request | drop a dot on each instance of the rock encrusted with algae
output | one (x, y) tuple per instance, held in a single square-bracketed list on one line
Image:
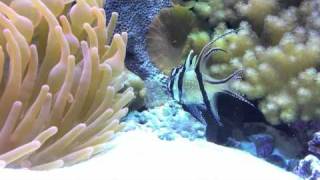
[(314, 144), (168, 121), (309, 168)]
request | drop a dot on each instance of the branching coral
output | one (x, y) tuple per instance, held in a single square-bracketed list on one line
[(257, 10), (277, 46), (59, 82), (280, 66), (212, 12)]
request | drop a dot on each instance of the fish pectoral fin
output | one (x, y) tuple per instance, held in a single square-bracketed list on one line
[(197, 111), (191, 61), (214, 110)]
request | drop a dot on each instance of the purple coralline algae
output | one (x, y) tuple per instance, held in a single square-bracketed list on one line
[(309, 168), (314, 144), (264, 144)]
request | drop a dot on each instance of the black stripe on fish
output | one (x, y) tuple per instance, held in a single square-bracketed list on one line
[(171, 80), (178, 75), (175, 83), (205, 97), (180, 81)]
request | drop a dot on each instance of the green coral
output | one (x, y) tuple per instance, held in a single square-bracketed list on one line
[(277, 46), (137, 84), (196, 40), (280, 60), (257, 10), (212, 12), (276, 75)]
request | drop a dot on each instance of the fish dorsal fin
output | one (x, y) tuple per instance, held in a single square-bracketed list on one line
[(235, 76), (191, 61), (227, 82), (207, 46), (207, 50), (187, 62), (201, 65)]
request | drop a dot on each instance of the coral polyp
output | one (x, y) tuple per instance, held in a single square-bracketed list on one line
[(61, 72)]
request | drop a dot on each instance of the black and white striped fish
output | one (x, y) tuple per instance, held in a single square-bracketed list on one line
[(196, 92)]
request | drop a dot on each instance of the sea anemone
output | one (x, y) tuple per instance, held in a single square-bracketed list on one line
[(61, 83)]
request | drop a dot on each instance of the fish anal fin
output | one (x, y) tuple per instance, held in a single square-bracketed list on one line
[(197, 111), (238, 96), (236, 76)]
